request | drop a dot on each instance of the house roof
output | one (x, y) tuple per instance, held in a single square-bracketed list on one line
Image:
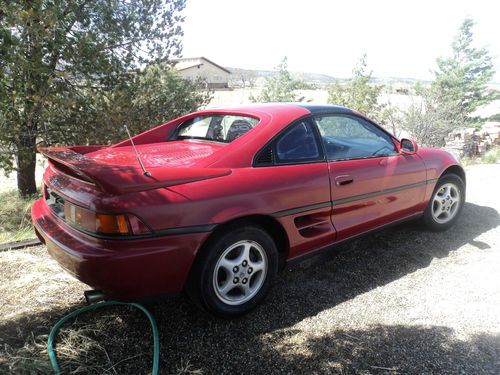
[(200, 58)]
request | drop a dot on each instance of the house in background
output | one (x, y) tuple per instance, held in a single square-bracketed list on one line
[(192, 68)]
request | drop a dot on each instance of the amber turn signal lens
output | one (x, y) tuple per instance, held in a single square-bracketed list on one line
[(112, 224)]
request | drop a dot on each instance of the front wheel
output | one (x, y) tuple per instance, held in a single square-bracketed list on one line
[(446, 203), (234, 271)]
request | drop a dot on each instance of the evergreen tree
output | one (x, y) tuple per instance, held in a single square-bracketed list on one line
[(358, 93), (461, 79), (280, 87)]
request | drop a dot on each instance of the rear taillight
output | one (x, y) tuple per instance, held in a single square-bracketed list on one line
[(103, 223)]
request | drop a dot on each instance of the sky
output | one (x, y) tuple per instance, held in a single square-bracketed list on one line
[(401, 38)]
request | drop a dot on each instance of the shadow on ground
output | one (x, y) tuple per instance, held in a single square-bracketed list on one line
[(386, 349), (263, 342)]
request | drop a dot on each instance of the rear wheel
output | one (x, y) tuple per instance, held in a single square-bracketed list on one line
[(234, 271), (446, 203)]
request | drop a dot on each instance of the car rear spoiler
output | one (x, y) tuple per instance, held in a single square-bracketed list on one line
[(119, 179)]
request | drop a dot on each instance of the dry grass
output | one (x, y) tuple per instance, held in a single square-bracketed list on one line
[(30, 288), (15, 217), (186, 368), (35, 293)]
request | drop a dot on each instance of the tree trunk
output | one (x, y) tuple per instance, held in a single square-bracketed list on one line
[(26, 163), (33, 83)]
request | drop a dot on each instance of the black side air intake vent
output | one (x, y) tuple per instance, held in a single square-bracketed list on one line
[(265, 157)]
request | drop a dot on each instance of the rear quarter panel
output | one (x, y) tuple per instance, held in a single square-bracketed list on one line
[(262, 191)]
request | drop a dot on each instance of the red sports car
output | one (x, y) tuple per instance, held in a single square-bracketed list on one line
[(215, 202)]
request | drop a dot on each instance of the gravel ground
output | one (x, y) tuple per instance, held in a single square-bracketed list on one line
[(403, 301)]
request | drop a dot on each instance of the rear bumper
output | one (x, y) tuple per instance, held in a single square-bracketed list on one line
[(121, 268)]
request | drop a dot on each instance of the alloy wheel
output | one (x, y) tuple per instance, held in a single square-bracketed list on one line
[(445, 203), (240, 272)]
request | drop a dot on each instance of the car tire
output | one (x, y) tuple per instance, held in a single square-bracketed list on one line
[(446, 203), (234, 271)]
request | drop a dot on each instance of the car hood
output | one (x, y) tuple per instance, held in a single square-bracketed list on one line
[(165, 154)]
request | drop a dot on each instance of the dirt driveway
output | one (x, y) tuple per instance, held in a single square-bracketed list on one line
[(402, 301)]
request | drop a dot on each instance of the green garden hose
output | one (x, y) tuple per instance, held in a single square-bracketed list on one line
[(50, 343)]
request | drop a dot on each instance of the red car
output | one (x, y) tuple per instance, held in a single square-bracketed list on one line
[(215, 202)]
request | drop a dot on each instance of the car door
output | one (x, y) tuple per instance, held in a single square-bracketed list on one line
[(371, 183), (302, 185)]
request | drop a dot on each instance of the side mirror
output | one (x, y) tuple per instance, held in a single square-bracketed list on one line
[(408, 147)]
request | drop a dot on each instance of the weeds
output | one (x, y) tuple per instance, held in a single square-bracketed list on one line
[(467, 161), (492, 156)]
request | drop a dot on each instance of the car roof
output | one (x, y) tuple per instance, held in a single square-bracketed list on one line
[(277, 108), (318, 108)]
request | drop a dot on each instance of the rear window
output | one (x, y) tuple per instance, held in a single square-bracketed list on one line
[(220, 128)]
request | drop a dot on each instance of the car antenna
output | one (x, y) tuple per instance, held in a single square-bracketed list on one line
[(144, 171)]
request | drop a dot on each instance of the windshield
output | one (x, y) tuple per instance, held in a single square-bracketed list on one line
[(220, 128)]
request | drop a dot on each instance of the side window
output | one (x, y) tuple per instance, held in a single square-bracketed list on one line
[(350, 137), (298, 144)]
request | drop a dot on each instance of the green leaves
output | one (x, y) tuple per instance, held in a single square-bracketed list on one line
[(358, 93), (430, 117), (280, 87), (142, 99)]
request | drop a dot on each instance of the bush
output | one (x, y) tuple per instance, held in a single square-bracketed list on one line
[(492, 156)]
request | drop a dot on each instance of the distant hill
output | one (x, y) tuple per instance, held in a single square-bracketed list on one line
[(257, 78)]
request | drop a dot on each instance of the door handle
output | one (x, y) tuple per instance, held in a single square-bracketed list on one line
[(343, 180)]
